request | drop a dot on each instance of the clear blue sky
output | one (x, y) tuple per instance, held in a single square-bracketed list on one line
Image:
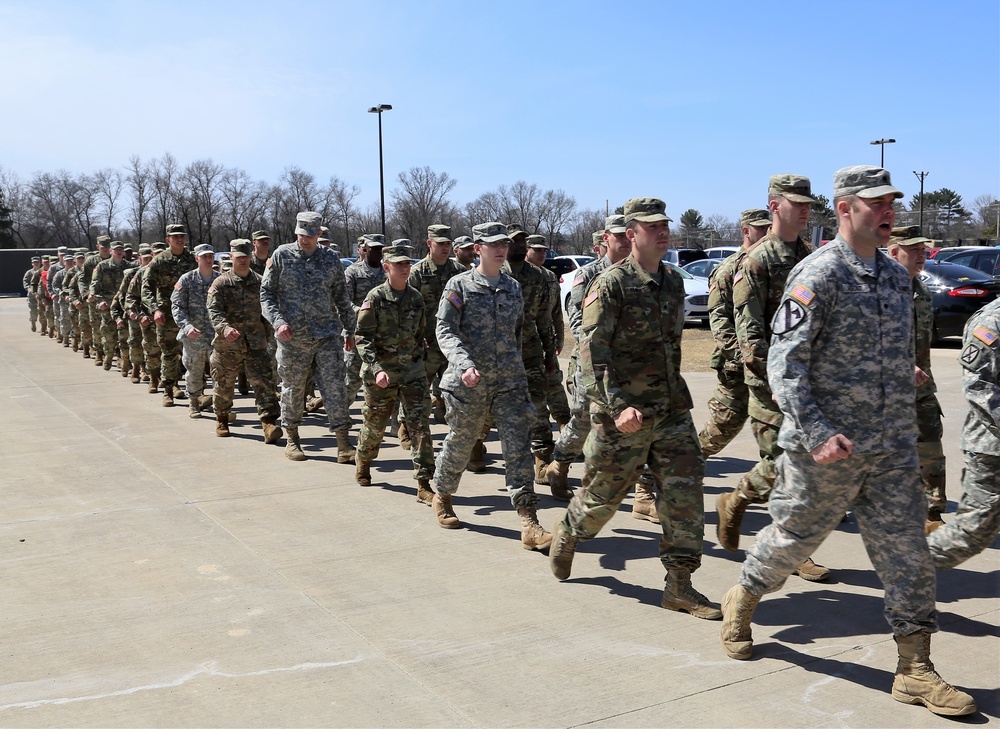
[(696, 103)]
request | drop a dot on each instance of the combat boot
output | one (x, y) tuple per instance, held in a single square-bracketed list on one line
[(730, 506), (363, 473), (679, 594), (533, 536), (194, 408), (557, 475), (124, 364), (737, 611), (561, 550), (76, 342), (425, 495), (135, 374), (541, 464), (313, 404), (98, 359), (241, 383), (179, 392), (205, 402), (811, 571), (934, 521), (345, 453), (222, 426), (438, 409), (34, 327), (644, 504), (477, 461), (168, 394), (154, 383), (86, 351), (916, 681), (444, 512), (404, 437), (293, 448), (272, 431)]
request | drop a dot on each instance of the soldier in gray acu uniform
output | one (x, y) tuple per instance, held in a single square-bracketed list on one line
[(189, 307), (977, 521), (841, 368), (304, 297), (361, 277), (479, 324), (36, 265)]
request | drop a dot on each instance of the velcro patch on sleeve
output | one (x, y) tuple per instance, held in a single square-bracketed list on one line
[(578, 280), (970, 354), (737, 277), (366, 305), (789, 316), (591, 298), (984, 335), (455, 300), (801, 294), (177, 286)]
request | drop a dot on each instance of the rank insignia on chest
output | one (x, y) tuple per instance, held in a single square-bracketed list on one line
[(591, 298), (455, 300), (366, 305), (802, 294), (985, 336)]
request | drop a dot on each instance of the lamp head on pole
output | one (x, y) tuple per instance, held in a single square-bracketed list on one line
[(380, 108)]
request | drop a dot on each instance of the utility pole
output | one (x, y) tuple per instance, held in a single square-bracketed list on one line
[(882, 143), (921, 176)]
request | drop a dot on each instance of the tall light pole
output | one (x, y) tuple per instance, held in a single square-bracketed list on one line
[(882, 143), (381, 167), (921, 176)]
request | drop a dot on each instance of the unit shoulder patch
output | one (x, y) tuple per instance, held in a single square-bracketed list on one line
[(789, 316)]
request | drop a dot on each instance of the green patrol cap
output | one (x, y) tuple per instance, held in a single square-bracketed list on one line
[(757, 217), (907, 235), (537, 241), (117, 245), (374, 240), (794, 187), (259, 235), (78, 254), (159, 246), (514, 230), (240, 247), (439, 233), (598, 237), (646, 210), (398, 252), (614, 224), (103, 241), (176, 229), (864, 181), (490, 232)]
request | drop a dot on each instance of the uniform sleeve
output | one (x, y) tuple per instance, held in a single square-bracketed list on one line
[(751, 284), (558, 323), (981, 373), (574, 311), (216, 303), (148, 290), (269, 292), (342, 302), (365, 332), (180, 302), (545, 330), (449, 325), (601, 309), (719, 318)]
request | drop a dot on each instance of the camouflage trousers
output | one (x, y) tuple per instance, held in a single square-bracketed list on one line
[(757, 484), (134, 343), (435, 363), (415, 407), (302, 357), (195, 354), (727, 411), (569, 446), (977, 522), (226, 364), (65, 319), (466, 413), (541, 429), (48, 313), (86, 330), (74, 317), (668, 446), (125, 358), (95, 327), (170, 351), (555, 396), (32, 308), (109, 334), (352, 377), (809, 501), (150, 349), (933, 466)]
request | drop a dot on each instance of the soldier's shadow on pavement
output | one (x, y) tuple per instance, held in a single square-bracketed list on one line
[(816, 614), (722, 466), (959, 584), (640, 593)]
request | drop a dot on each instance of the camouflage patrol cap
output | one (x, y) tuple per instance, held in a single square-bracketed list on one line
[(79, 254), (323, 239), (907, 235), (145, 250), (463, 241), (398, 252), (307, 223), (36, 259), (864, 181), (757, 217), (104, 241), (226, 265), (159, 246), (793, 187), (538, 242), (202, 248), (615, 224), (598, 237), (374, 240), (439, 233), (45, 259), (646, 210), (259, 235), (117, 245), (514, 230), (62, 250), (490, 233), (82, 250), (176, 229), (239, 247)]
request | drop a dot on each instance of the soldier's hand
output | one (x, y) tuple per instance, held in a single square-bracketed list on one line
[(349, 343), (78, 305), (919, 376), (194, 333), (471, 377), (837, 448), (629, 420), (382, 379), (158, 317), (231, 334), (103, 306), (284, 333), (133, 316), (120, 323), (144, 321)]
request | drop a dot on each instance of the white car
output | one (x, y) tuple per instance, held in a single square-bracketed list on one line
[(695, 297), (721, 252), (565, 267)]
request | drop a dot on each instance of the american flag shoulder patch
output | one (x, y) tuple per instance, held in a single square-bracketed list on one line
[(455, 300), (984, 335), (578, 280), (366, 305), (737, 277), (177, 286), (801, 294), (591, 297)]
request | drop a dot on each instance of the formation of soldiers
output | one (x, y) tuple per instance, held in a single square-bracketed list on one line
[(826, 352)]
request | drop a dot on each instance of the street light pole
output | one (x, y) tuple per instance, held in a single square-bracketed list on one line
[(882, 143), (381, 167), (921, 176)]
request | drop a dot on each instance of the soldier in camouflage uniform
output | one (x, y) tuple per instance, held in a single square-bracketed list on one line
[(36, 265), (70, 295), (465, 251), (39, 287), (61, 299), (189, 308), (909, 249), (157, 285), (977, 521), (104, 284), (129, 318), (630, 357), (93, 313), (261, 241), (727, 409), (301, 295), (53, 292), (361, 277), (841, 368), (555, 394), (134, 304), (479, 330), (240, 341), (757, 291), (390, 343)]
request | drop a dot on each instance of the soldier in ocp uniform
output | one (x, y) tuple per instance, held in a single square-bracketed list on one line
[(134, 304), (130, 316), (104, 284), (465, 251), (93, 314), (36, 264), (841, 366), (71, 296), (361, 277)]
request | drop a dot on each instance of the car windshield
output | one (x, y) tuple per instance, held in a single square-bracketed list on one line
[(681, 271)]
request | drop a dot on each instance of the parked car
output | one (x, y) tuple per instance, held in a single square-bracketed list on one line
[(721, 252), (565, 267), (980, 258), (703, 268), (957, 292), (695, 297), (682, 256)]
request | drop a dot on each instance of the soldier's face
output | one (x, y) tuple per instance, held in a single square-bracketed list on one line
[(104, 252), (753, 233), (241, 265), (308, 243), (871, 219), (492, 255), (466, 256), (911, 257), (439, 251), (618, 245), (397, 273), (649, 237), (373, 256), (518, 248), (176, 242), (536, 256), (117, 254), (793, 215), (262, 247)]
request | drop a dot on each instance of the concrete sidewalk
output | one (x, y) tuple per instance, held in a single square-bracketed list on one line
[(155, 575)]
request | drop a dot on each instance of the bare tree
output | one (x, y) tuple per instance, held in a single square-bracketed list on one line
[(422, 200), (244, 203), (722, 230), (140, 186), (108, 184), (164, 171), (202, 199), (15, 195), (339, 205)]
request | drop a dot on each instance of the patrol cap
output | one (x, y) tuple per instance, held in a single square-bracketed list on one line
[(398, 252), (514, 230), (84, 251), (537, 241), (490, 232), (439, 233), (202, 248), (757, 217), (463, 241), (226, 265), (259, 235), (159, 246), (240, 247), (36, 259), (598, 237), (117, 245), (176, 229), (322, 239), (646, 210), (104, 241), (45, 259), (308, 223), (145, 250), (374, 240), (907, 235), (793, 187), (78, 254), (615, 224), (62, 250), (864, 181)]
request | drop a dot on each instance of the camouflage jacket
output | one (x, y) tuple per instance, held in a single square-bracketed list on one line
[(258, 265), (555, 310), (54, 270), (161, 275), (429, 279), (235, 302), (757, 290), (69, 284), (390, 334), (26, 279), (841, 360), (306, 292), (56, 283), (189, 303), (133, 296), (106, 280), (980, 360), (360, 278), (537, 342), (721, 317), (90, 264), (630, 348), (36, 279), (923, 334), (118, 302), (581, 283), (480, 326)]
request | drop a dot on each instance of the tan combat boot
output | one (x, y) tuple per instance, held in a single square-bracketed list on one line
[(124, 365), (222, 426), (345, 453), (644, 505), (444, 512), (194, 408), (76, 342), (811, 571), (533, 536), (561, 550), (205, 402), (679, 594), (934, 521), (557, 475), (136, 378), (438, 409), (86, 351), (916, 681), (425, 495), (98, 359), (737, 612), (272, 432), (154, 383), (168, 395), (66, 341), (404, 437), (293, 448), (363, 473), (730, 507), (477, 461), (541, 465), (313, 404)]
